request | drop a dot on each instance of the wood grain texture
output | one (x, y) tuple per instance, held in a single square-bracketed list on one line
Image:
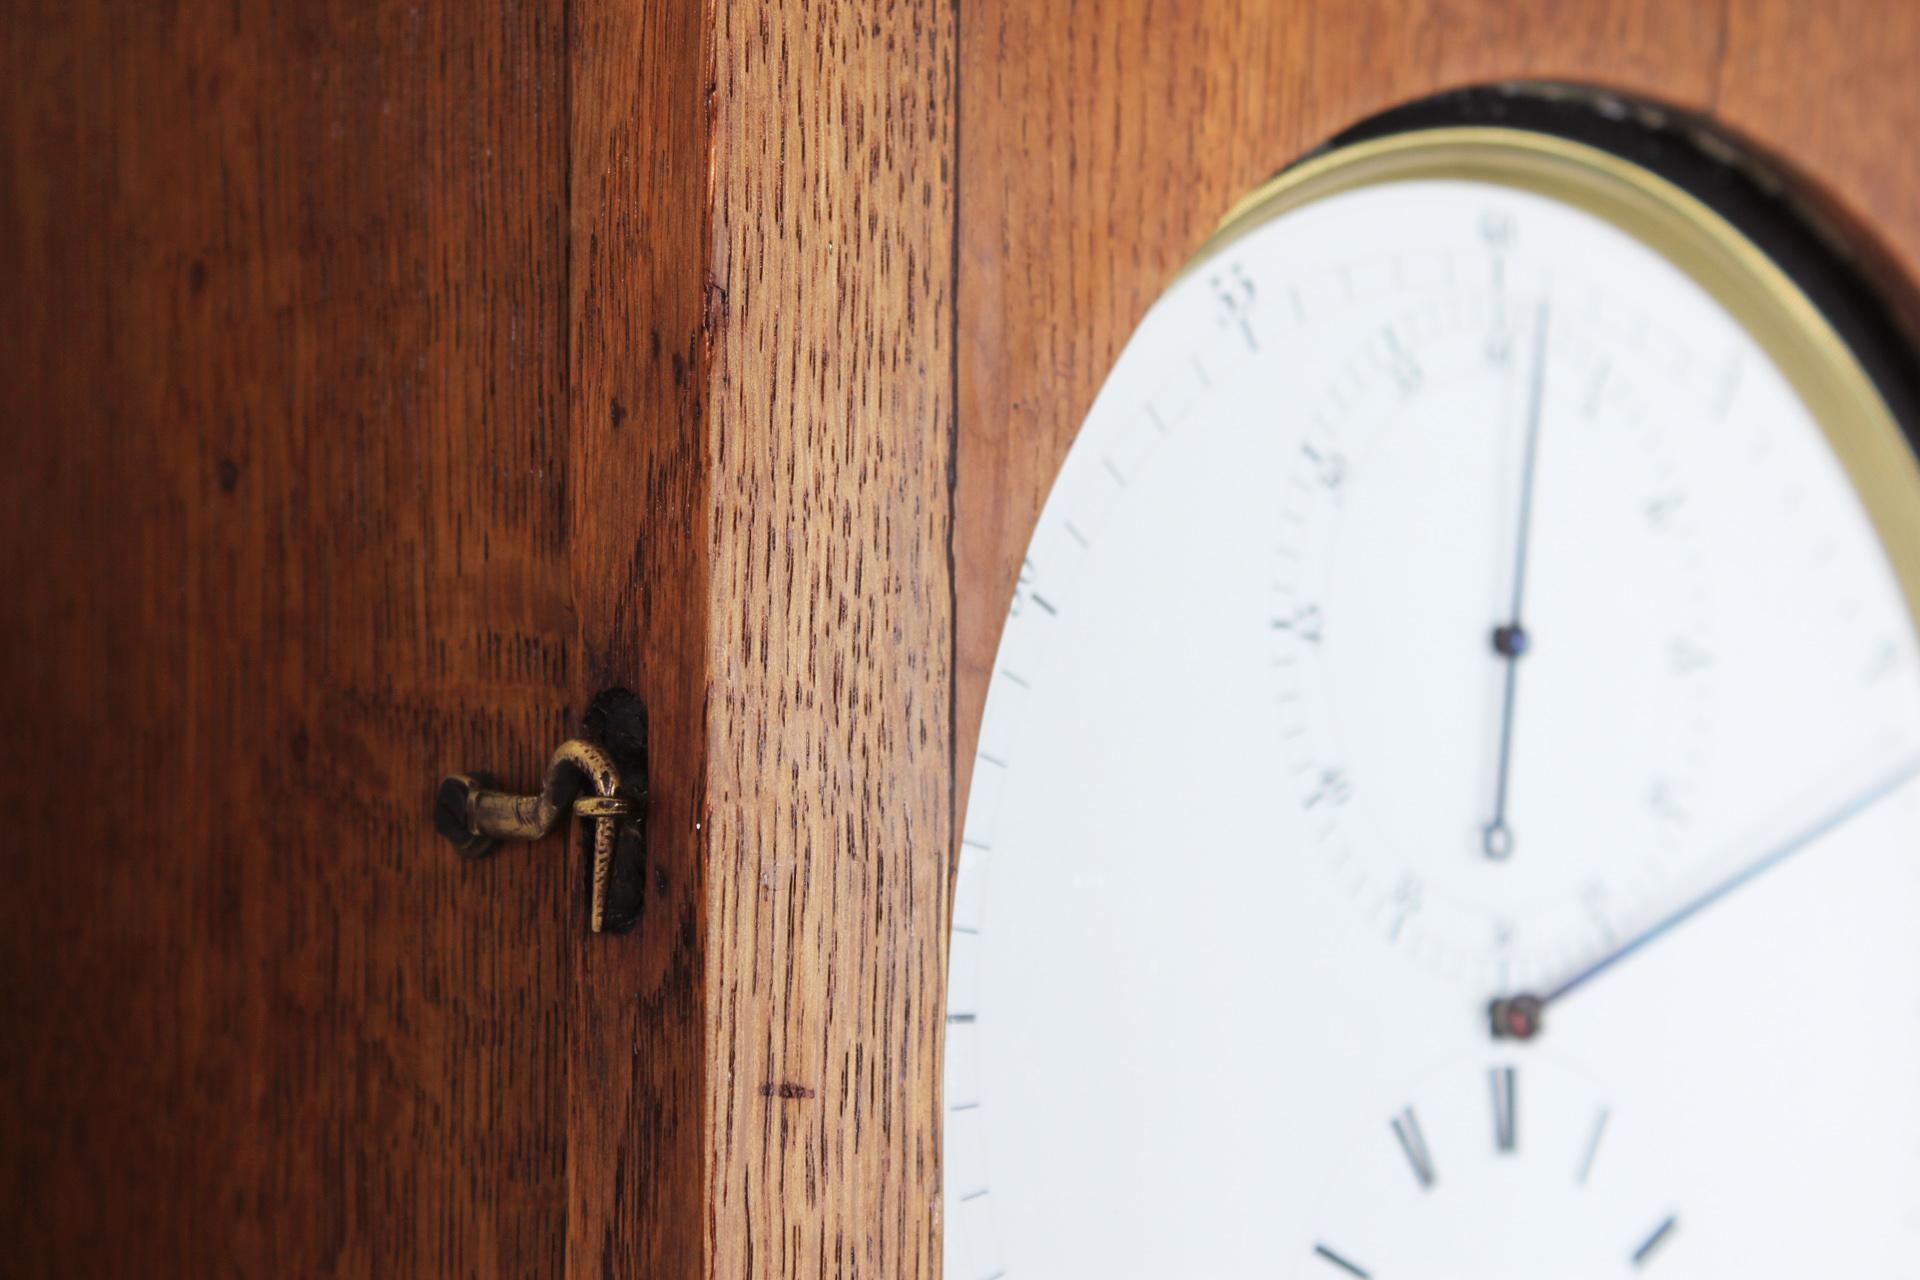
[(829, 766), (383, 380), (1830, 87), (283, 527), (387, 381), (640, 339)]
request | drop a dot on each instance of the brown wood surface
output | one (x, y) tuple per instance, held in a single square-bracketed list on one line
[(829, 767), (387, 382), (381, 381), (641, 332), (284, 516)]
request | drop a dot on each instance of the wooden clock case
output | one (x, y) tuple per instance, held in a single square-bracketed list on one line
[(383, 381)]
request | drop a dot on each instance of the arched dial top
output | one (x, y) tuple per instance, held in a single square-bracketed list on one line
[(1474, 574)]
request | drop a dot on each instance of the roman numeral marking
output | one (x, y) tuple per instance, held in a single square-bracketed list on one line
[(1506, 1129), (1654, 1241), (1351, 1268), (1407, 1129), (1593, 1146)]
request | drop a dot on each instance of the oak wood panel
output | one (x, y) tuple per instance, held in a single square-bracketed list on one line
[(829, 781), (283, 528), (640, 336), (445, 370), (1100, 141), (1830, 87)]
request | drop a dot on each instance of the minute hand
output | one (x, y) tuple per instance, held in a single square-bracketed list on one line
[(1519, 1017)]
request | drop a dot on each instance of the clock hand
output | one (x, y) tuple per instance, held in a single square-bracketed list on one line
[(1519, 1017), (1510, 640)]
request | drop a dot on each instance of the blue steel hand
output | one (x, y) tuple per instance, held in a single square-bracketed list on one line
[(1510, 638), (1519, 1017)]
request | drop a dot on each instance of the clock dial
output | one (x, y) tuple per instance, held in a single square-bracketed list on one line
[(1451, 596)]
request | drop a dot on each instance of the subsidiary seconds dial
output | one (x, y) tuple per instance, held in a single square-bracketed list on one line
[(1492, 634)]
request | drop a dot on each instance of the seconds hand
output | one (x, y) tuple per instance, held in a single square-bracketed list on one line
[(1519, 1017), (1510, 640)]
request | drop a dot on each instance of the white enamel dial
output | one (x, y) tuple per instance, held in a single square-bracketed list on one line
[(1444, 591)]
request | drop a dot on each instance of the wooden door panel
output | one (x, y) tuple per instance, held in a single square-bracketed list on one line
[(285, 532)]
